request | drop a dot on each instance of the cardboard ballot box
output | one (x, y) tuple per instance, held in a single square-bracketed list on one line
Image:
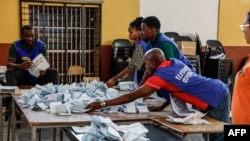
[(187, 47)]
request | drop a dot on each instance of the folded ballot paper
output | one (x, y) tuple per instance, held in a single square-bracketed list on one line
[(125, 85), (194, 118), (8, 88), (103, 128), (191, 116)]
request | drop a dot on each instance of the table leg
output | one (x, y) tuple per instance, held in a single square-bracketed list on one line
[(61, 134), (39, 134), (180, 135), (207, 137), (54, 134), (13, 117), (33, 133)]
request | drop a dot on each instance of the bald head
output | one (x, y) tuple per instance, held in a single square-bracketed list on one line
[(152, 59), (154, 55)]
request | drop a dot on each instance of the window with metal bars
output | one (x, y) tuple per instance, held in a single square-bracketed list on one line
[(71, 32)]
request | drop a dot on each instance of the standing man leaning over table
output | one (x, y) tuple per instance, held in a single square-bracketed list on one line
[(21, 53), (207, 94)]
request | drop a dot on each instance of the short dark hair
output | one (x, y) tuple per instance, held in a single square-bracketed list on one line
[(26, 27), (136, 23), (152, 21)]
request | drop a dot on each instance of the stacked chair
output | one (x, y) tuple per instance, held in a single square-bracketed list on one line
[(172, 35), (219, 68), (200, 52), (182, 38), (122, 51), (216, 64), (195, 61)]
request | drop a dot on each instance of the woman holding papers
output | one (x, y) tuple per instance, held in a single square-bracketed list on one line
[(27, 63)]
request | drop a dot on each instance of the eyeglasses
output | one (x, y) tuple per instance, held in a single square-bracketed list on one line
[(243, 26)]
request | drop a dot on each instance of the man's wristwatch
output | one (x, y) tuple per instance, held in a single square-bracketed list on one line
[(103, 103)]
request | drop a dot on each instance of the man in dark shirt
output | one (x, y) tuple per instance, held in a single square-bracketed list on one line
[(21, 53), (150, 29)]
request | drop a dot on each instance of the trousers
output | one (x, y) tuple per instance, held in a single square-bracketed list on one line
[(220, 113), (17, 77)]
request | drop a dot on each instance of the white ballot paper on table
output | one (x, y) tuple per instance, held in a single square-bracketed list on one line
[(191, 116), (39, 63), (195, 118)]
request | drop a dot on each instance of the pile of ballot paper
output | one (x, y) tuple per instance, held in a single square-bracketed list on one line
[(125, 85), (194, 118), (186, 114), (75, 97), (103, 129)]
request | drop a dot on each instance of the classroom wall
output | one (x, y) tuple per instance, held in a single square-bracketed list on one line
[(116, 16), (4, 47), (185, 16), (231, 15), (9, 25), (118, 13), (211, 19)]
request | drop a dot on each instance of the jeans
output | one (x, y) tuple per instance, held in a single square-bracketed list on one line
[(17, 77), (220, 113)]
